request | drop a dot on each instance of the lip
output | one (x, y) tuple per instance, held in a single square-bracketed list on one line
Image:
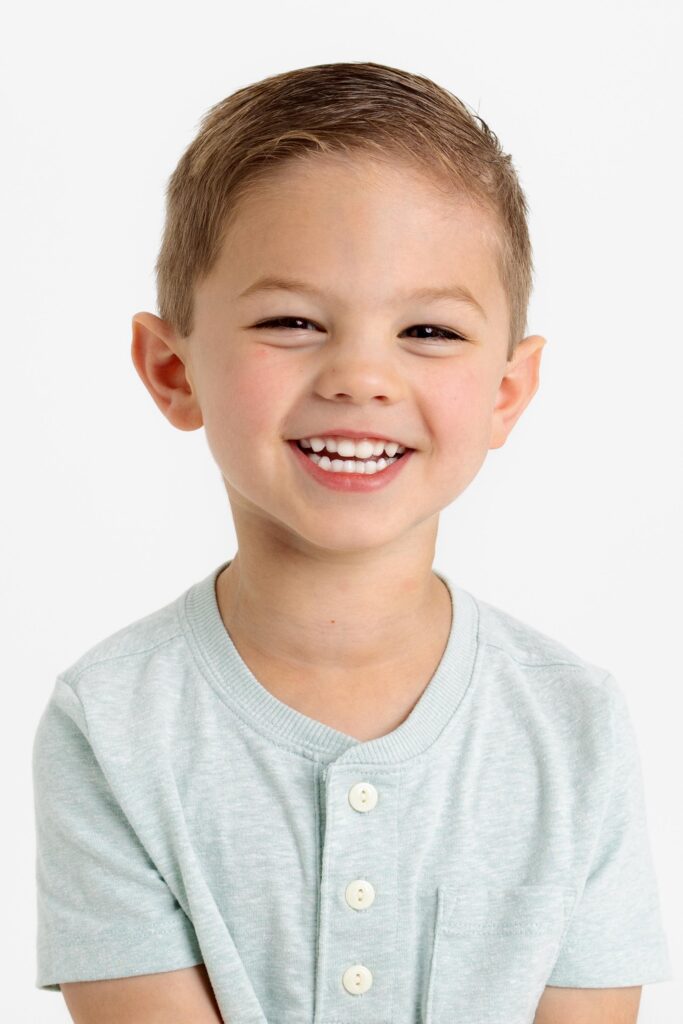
[(349, 482), (356, 434)]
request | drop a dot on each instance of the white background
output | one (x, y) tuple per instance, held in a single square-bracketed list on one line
[(574, 526)]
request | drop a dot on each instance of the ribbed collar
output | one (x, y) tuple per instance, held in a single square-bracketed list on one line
[(237, 687)]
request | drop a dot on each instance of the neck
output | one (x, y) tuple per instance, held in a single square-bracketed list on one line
[(333, 621)]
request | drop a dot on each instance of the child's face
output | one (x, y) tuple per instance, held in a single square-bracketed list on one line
[(365, 236)]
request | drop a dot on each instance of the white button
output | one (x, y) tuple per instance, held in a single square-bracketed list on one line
[(360, 894), (363, 796), (357, 979)]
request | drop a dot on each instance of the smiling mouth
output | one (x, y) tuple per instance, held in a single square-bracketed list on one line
[(349, 466)]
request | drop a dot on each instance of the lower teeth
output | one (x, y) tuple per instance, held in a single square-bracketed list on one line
[(361, 466)]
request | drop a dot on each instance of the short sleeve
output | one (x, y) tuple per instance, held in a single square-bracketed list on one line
[(103, 910), (615, 935)]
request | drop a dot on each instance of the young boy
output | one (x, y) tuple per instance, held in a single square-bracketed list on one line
[(326, 784)]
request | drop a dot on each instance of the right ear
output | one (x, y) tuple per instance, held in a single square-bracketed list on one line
[(159, 359)]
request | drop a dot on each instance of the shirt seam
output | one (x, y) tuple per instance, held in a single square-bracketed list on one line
[(66, 674), (612, 779), (538, 664), (67, 677), (578, 893)]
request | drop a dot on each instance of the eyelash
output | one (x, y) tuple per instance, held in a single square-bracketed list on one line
[(444, 332)]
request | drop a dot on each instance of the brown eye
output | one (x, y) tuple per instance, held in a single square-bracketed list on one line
[(437, 332), (281, 320)]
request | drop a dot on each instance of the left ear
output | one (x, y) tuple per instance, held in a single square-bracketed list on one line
[(517, 388)]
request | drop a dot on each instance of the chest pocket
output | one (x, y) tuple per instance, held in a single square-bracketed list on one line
[(493, 950)]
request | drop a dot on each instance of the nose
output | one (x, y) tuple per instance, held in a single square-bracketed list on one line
[(359, 372)]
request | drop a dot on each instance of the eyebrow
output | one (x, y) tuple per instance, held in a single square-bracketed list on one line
[(455, 291)]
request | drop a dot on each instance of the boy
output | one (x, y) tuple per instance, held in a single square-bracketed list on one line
[(326, 784)]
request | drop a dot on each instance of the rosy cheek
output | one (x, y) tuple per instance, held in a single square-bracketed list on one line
[(460, 412), (263, 397)]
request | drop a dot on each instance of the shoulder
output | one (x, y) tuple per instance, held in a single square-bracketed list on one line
[(129, 652), (528, 647), (541, 669), (523, 642), (552, 710), (132, 691)]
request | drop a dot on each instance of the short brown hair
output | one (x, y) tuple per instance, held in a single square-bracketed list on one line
[(332, 108)]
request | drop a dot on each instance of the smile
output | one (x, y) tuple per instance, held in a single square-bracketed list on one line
[(350, 474)]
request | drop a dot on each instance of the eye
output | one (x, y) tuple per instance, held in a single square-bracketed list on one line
[(278, 321), (434, 332)]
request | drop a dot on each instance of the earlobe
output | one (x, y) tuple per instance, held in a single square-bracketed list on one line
[(157, 357), (517, 387)]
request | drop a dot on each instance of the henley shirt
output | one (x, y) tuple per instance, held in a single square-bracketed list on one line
[(495, 842)]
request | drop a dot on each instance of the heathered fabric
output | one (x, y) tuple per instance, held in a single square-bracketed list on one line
[(185, 815)]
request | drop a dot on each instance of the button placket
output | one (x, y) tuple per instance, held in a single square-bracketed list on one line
[(360, 893), (360, 845)]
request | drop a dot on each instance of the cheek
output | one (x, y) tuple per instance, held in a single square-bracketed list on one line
[(245, 396), (460, 406)]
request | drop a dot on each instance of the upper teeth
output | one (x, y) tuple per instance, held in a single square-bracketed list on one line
[(364, 448)]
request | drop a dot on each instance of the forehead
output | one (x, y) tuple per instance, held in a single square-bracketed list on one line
[(363, 227)]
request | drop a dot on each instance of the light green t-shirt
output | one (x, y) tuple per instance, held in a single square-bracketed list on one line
[(493, 843)]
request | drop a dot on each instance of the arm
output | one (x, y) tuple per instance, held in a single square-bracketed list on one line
[(589, 1005), (170, 997)]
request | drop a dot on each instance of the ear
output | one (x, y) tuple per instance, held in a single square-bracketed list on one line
[(161, 362), (517, 388)]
